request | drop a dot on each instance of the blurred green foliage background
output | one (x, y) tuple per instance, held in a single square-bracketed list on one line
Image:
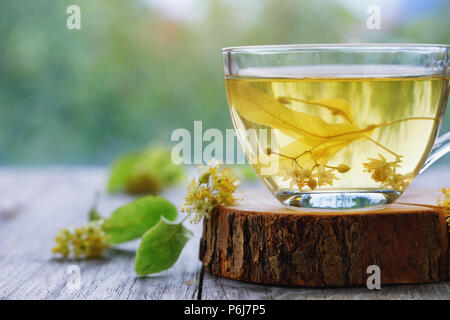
[(139, 69)]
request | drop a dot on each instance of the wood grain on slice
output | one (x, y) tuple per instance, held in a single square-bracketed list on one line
[(261, 241)]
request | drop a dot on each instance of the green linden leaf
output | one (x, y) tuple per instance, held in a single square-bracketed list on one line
[(147, 171), (160, 247), (132, 220)]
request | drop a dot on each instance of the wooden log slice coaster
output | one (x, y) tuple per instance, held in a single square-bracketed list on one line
[(261, 241)]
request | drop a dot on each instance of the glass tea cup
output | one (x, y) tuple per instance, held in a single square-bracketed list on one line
[(338, 126)]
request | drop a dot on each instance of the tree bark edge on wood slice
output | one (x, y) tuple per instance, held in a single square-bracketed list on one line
[(276, 245)]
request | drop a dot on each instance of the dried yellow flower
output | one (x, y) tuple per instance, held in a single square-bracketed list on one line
[(376, 164), (304, 174), (284, 100), (215, 187), (312, 184), (88, 241), (62, 243), (290, 174), (297, 177), (324, 176), (302, 178), (343, 168)]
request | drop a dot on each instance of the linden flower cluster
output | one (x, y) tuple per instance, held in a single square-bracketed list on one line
[(215, 187), (319, 175), (88, 241), (385, 173), (444, 202)]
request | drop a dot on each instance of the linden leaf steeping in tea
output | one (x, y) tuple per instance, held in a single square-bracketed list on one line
[(324, 142), (316, 141), (318, 175)]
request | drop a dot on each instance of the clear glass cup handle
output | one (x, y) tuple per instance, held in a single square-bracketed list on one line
[(441, 147)]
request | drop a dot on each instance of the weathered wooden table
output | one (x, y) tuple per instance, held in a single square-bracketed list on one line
[(35, 204)]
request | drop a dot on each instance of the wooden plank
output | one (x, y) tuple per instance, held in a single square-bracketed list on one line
[(50, 200)]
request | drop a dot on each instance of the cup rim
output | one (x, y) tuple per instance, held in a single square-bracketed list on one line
[(324, 46)]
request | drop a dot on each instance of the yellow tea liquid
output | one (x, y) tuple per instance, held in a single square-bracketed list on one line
[(336, 134)]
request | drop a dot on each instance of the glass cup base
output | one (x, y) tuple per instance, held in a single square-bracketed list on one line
[(337, 200)]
